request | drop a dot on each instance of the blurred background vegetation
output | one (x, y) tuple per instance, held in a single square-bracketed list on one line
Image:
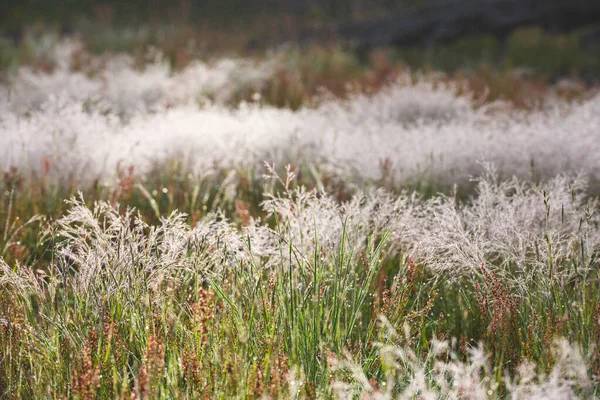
[(218, 12), (185, 29)]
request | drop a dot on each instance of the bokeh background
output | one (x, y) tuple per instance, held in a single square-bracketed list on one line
[(186, 29)]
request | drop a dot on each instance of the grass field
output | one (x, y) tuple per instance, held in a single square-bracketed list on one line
[(295, 226)]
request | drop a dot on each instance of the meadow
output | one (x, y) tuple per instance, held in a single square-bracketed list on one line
[(276, 228)]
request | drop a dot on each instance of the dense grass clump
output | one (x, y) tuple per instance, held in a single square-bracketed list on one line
[(315, 298), (148, 251)]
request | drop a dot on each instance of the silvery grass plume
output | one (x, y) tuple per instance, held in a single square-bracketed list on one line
[(115, 85), (441, 374), (104, 250), (526, 233), (407, 101), (407, 133)]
